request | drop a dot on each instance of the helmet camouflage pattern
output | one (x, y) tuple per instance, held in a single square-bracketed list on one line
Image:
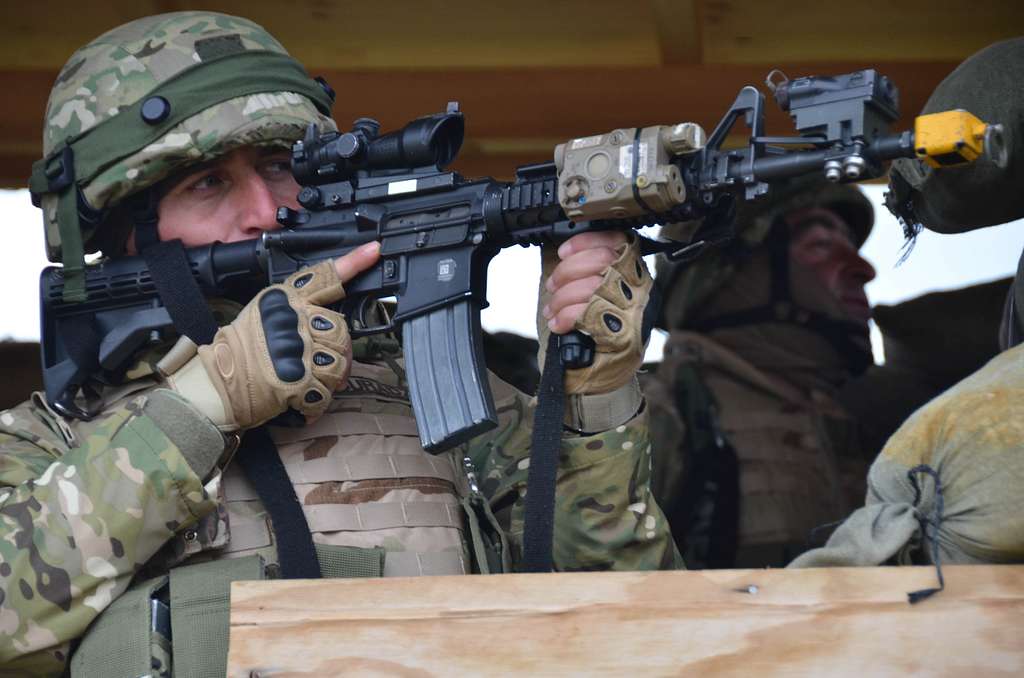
[(116, 72), (687, 287)]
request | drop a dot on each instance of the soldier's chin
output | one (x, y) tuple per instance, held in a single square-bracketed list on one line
[(857, 309)]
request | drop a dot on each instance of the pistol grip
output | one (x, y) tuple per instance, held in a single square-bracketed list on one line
[(448, 385)]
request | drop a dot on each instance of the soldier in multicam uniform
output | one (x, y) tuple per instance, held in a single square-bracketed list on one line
[(752, 450), (107, 523)]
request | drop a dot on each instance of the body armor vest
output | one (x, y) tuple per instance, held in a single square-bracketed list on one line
[(799, 464), (363, 481), (376, 503)]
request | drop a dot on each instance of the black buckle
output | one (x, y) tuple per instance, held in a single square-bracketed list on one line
[(61, 174), (326, 87)]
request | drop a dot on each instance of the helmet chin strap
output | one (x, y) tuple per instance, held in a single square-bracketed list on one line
[(849, 338)]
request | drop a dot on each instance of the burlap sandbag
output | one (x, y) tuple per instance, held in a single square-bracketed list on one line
[(954, 470)]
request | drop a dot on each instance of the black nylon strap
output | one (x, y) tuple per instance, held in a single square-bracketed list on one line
[(179, 291), (545, 444), (704, 515), (636, 168), (180, 294), (262, 464)]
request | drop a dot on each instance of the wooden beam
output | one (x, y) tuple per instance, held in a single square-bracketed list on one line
[(738, 32), (508, 108), (678, 31), (401, 34), (463, 34), (835, 622)]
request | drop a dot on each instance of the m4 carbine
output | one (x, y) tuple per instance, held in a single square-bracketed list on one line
[(438, 231)]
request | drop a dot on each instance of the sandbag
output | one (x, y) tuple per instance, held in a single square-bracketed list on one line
[(947, 485)]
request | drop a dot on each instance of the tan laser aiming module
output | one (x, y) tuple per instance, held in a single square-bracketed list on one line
[(626, 172)]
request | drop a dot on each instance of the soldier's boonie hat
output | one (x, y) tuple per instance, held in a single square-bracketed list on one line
[(958, 199), (151, 97), (687, 287)]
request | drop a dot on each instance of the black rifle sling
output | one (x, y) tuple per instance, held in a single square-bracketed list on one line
[(180, 294), (545, 444), (262, 464), (179, 291), (704, 513)]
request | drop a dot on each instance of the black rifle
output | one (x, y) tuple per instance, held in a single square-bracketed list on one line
[(438, 232)]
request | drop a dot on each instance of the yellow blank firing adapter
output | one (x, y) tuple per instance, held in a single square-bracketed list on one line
[(956, 137)]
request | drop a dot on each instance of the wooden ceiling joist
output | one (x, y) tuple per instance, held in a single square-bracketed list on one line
[(533, 73)]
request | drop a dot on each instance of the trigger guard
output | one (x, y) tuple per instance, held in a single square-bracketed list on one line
[(358, 327)]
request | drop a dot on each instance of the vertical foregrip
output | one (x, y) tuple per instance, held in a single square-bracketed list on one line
[(448, 386)]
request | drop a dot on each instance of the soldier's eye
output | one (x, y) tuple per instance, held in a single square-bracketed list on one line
[(205, 182), (276, 166)]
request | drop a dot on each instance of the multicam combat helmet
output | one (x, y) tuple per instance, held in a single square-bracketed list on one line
[(148, 99), (686, 287)]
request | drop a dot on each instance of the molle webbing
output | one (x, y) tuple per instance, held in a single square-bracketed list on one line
[(371, 466), (120, 642), (343, 562), (353, 468), (374, 516), (79, 159), (200, 612), (416, 564), (350, 424), (381, 516)]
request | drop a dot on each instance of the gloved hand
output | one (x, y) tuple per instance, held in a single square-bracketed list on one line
[(597, 283), (283, 350)]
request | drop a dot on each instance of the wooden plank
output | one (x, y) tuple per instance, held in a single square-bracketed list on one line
[(854, 622), (511, 108), (752, 31)]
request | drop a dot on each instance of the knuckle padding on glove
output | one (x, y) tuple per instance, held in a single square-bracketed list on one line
[(284, 343)]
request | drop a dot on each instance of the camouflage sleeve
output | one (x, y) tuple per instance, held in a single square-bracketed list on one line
[(78, 517), (605, 515)]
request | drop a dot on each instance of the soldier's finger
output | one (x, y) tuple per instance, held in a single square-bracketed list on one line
[(318, 284), (357, 261), (585, 241), (582, 264), (576, 292), (566, 318)]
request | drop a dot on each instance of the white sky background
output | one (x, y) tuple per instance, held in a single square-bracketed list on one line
[(938, 262)]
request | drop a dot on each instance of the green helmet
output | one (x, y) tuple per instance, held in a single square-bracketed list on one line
[(686, 287), (150, 98)]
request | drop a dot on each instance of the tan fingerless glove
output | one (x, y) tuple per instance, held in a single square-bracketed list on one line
[(283, 350), (613, 318)]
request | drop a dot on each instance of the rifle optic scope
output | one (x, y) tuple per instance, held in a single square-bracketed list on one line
[(432, 141)]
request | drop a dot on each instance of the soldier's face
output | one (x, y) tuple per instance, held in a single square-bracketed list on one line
[(233, 198), (822, 243)]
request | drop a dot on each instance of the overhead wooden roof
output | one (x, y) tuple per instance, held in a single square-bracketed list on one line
[(533, 73)]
